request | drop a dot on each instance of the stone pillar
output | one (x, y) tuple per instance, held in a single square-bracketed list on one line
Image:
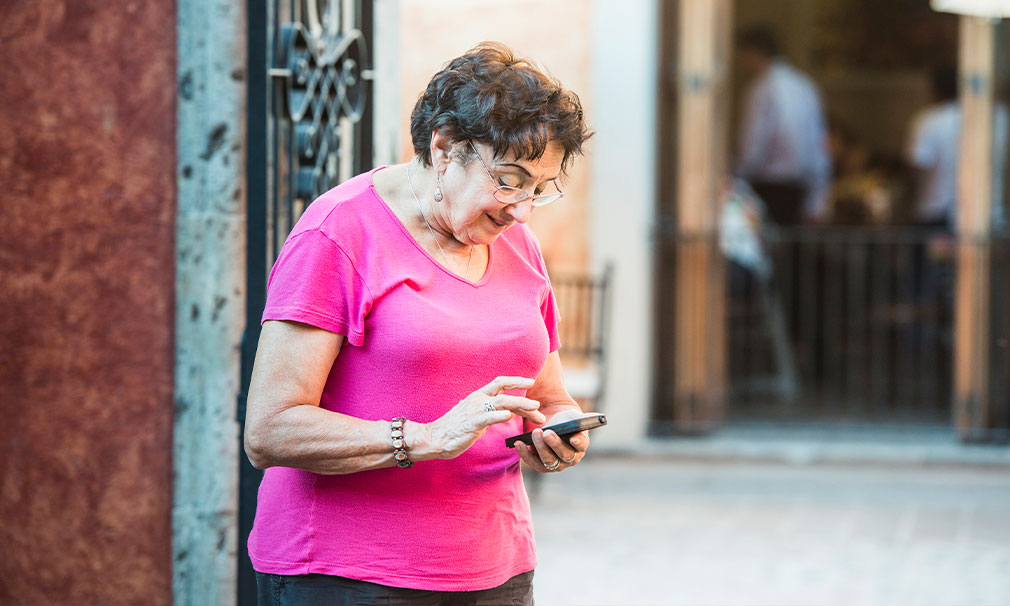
[(210, 297), (87, 156)]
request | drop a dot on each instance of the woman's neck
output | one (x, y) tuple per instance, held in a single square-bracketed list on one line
[(428, 214)]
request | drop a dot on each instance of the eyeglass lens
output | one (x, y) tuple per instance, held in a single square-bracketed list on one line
[(507, 194)]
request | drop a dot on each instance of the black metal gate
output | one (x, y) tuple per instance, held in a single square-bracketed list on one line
[(309, 128)]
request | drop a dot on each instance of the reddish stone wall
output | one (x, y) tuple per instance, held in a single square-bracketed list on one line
[(87, 183)]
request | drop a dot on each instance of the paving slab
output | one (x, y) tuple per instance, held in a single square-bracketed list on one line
[(629, 530)]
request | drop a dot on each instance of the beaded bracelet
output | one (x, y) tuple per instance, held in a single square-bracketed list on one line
[(399, 444)]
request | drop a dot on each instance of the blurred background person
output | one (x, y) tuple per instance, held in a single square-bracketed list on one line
[(864, 188), (932, 151), (782, 143)]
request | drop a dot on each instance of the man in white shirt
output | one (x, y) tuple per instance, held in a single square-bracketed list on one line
[(933, 148), (782, 148)]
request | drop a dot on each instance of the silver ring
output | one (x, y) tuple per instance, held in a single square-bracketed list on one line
[(569, 461), (489, 406), (553, 466)]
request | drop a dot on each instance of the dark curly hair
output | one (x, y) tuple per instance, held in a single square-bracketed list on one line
[(491, 96)]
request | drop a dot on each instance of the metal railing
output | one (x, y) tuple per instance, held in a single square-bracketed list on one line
[(583, 303), (856, 325)]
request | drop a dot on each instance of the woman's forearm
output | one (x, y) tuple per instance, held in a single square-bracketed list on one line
[(321, 441)]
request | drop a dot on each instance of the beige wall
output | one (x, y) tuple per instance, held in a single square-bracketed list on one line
[(606, 52), (554, 34)]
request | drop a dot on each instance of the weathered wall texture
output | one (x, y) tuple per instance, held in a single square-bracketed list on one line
[(210, 297), (87, 183)]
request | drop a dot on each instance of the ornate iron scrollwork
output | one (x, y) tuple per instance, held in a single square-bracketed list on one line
[(308, 128), (321, 73), (318, 65)]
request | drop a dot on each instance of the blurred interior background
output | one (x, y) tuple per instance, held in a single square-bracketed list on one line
[(156, 156)]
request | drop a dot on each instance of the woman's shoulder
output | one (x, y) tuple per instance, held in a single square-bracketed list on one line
[(345, 214)]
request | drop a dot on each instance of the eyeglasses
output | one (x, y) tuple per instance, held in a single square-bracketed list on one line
[(506, 194)]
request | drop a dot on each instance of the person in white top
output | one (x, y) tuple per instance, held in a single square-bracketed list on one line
[(782, 149), (933, 148)]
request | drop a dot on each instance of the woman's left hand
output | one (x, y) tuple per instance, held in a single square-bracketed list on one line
[(549, 452)]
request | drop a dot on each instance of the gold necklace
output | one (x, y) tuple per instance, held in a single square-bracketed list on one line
[(432, 231)]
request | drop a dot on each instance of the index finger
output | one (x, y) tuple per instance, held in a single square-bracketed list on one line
[(500, 384), (521, 406)]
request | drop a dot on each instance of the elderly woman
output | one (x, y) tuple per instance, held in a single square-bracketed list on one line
[(410, 328)]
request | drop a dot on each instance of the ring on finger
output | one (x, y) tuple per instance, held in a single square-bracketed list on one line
[(553, 466), (569, 461), (489, 406)]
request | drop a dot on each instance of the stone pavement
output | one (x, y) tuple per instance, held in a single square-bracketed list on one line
[(670, 530)]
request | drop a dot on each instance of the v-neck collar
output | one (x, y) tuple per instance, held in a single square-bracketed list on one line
[(410, 237)]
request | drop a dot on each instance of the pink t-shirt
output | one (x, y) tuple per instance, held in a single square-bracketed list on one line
[(418, 340)]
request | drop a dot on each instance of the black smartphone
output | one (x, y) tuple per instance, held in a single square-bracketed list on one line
[(564, 430)]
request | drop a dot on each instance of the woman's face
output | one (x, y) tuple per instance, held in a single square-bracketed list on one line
[(469, 208)]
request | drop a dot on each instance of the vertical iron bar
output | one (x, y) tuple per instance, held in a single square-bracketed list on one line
[(932, 297), (834, 320), (812, 301), (580, 291), (256, 259), (880, 350), (903, 301), (790, 309), (913, 279), (364, 159), (753, 332), (1000, 381), (855, 385)]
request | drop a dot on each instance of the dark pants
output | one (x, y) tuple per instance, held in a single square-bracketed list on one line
[(321, 589), (784, 200)]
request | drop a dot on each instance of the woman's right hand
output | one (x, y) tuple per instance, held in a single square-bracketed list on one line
[(450, 435)]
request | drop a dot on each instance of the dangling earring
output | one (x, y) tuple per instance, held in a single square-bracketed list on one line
[(438, 187)]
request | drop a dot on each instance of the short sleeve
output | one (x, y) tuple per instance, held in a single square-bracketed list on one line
[(549, 310), (315, 282), (548, 304)]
